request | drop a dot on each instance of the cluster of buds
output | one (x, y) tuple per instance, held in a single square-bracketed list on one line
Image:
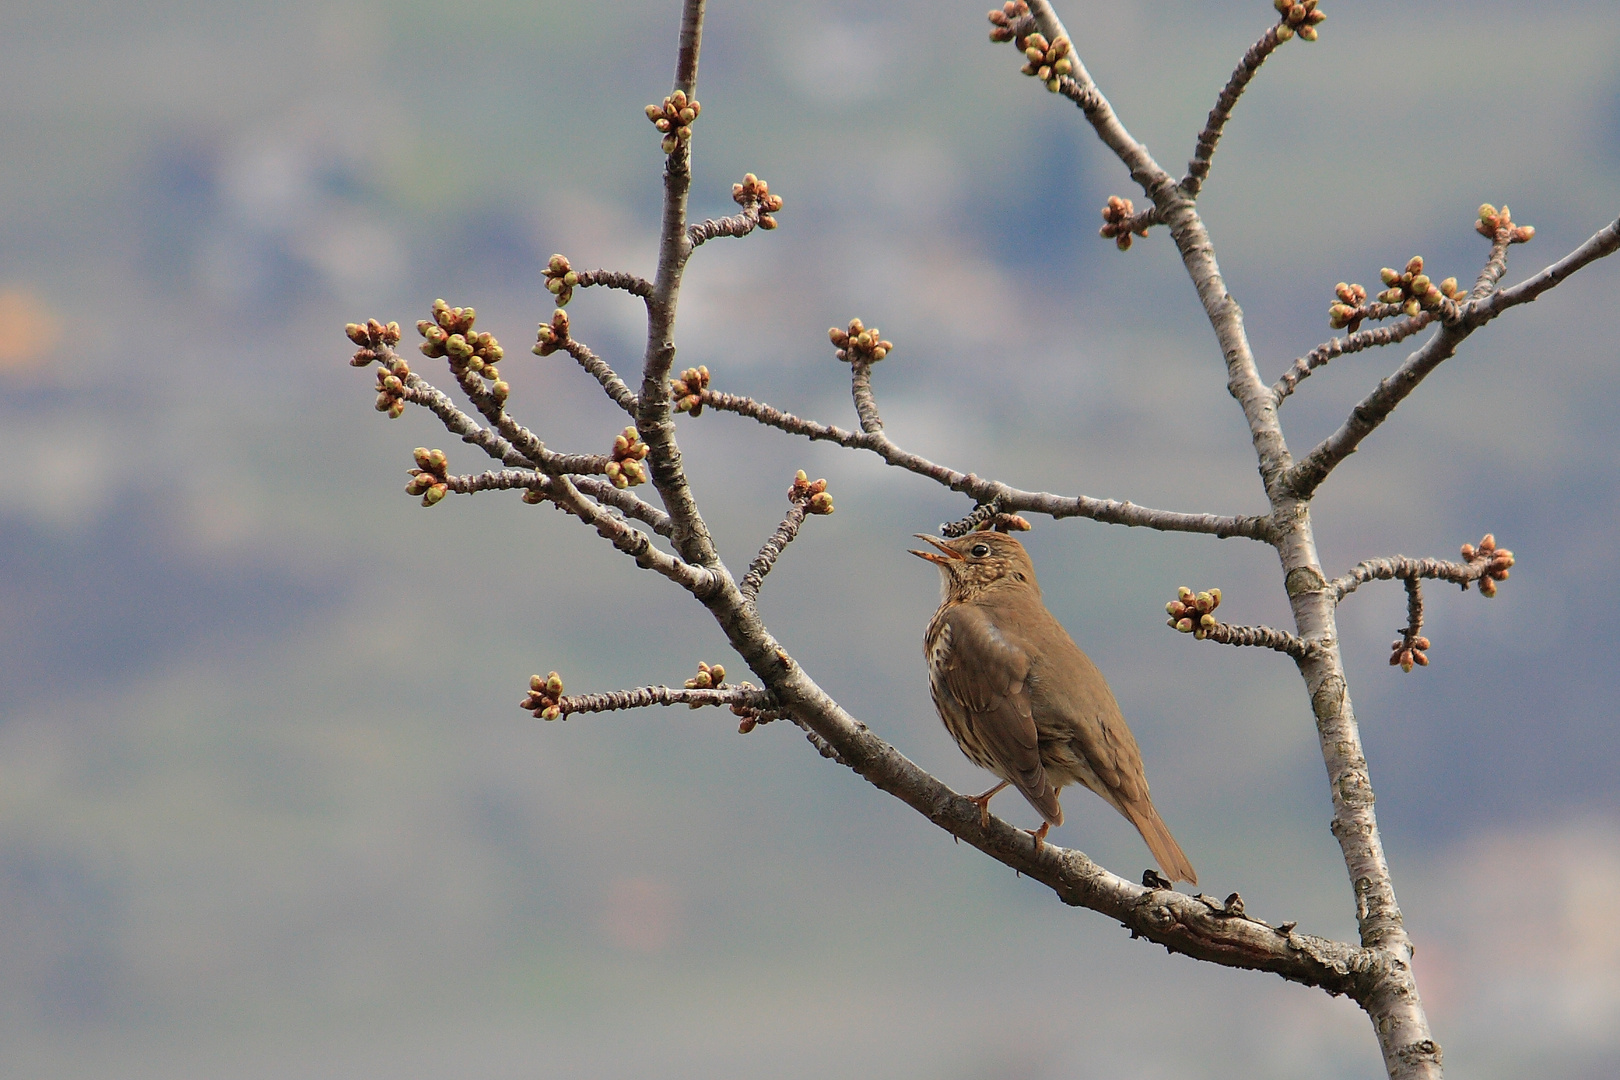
[(545, 697), (560, 279), (391, 376), (859, 345), (1408, 649), (1190, 612), (755, 192), (373, 338), (687, 391), (624, 467), (1298, 18), (1117, 226), (1003, 23), (1047, 62), (812, 493), (450, 334), (1412, 291), (553, 335), (1347, 310), (1491, 221), (429, 477), (1497, 561), (707, 678), (674, 118)]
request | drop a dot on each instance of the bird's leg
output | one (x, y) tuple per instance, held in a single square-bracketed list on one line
[(1039, 835), (983, 803)]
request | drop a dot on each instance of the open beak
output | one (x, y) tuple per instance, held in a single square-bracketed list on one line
[(946, 555)]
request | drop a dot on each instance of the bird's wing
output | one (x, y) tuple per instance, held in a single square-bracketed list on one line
[(984, 673)]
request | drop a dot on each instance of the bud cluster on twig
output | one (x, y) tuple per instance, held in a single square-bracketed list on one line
[(553, 335), (545, 697), (708, 677), (1006, 23), (624, 466), (755, 192), (1190, 611), (1411, 290), (472, 355), (1120, 220), (1493, 221), (374, 340), (813, 494), (859, 345), (429, 477), (1496, 563), (687, 391), (674, 118), (1297, 18), (560, 279), (1048, 62)]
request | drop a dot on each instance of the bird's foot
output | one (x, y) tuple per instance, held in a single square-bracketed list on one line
[(1039, 835), (983, 803)]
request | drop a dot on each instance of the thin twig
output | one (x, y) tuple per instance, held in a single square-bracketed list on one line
[(736, 225), (772, 550), (616, 389), (1260, 636), (1303, 479), (1350, 343), (1011, 499), (743, 695), (1400, 567), (1198, 167), (615, 279), (860, 388)]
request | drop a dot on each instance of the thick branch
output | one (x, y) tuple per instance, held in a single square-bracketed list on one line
[(981, 490)]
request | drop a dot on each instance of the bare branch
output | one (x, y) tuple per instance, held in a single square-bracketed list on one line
[(1198, 167), (981, 490), (743, 696), (616, 389), (738, 225), (700, 581), (772, 550), (1351, 343), (1261, 636), (1486, 564), (1303, 479), (616, 279)]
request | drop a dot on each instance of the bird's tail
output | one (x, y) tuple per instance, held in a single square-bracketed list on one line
[(1171, 859)]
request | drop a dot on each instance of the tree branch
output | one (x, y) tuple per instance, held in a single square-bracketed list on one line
[(1198, 167), (743, 696), (615, 279), (981, 490), (615, 387), (1350, 343)]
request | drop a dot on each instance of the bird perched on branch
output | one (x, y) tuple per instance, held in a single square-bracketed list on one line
[(1022, 700)]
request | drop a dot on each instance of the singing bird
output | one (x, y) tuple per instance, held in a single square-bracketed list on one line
[(1022, 700)]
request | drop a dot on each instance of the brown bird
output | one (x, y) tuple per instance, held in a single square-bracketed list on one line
[(1022, 700)]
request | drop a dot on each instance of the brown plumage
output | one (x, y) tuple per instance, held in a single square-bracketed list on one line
[(1022, 700)]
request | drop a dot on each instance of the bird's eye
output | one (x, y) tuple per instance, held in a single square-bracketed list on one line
[(980, 550)]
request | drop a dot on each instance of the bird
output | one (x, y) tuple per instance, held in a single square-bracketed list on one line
[(1022, 700)]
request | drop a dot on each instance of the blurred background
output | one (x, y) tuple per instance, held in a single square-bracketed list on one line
[(267, 805)]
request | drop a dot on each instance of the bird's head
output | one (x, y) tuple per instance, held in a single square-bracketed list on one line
[(980, 561)]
